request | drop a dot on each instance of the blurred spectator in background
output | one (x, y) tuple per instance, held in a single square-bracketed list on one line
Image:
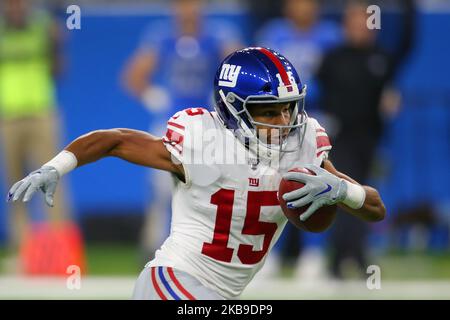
[(261, 11), (171, 70), (353, 77), (303, 38), (29, 61)]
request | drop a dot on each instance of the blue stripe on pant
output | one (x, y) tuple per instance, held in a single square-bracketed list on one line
[(166, 284)]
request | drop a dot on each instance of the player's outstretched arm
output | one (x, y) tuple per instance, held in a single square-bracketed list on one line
[(134, 146), (329, 186), (131, 145)]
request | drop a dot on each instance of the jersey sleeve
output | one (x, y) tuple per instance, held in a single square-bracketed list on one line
[(184, 140), (173, 139), (323, 144)]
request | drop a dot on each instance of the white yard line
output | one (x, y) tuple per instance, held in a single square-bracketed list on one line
[(292, 289), (122, 288), (56, 288)]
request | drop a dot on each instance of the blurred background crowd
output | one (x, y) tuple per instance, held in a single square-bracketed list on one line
[(383, 95)]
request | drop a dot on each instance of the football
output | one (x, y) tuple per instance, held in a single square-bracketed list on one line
[(320, 221)]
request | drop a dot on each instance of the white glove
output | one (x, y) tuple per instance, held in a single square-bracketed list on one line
[(322, 189), (44, 179)]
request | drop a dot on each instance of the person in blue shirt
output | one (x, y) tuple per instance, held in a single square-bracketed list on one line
[(164, 73), (304, 38)]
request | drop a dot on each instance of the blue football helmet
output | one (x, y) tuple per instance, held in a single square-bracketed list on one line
[(258, 75)]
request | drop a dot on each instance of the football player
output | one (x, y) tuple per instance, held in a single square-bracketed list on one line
[(225, 212)]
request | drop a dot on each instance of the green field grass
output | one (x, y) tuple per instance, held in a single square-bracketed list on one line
[(125, 260), (113, 260), (416, 265)]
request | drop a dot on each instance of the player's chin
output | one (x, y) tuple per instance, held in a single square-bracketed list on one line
[(272, 136)]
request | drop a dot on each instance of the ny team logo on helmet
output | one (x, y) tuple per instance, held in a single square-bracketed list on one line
[(258, 75), (229, 74)]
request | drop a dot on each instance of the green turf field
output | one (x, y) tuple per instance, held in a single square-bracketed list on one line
[(125, 260)]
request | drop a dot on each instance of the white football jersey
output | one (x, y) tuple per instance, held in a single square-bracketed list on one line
[(226, 215)]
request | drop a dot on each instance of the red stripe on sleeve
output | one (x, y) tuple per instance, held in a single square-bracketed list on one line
[(175, 125), (174, 137), (323, 141), (319, 153)]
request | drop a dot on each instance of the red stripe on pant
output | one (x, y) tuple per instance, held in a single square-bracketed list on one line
[(178, 284), (156, 286)]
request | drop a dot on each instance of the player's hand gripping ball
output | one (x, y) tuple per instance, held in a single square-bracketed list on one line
[(319, 221)]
